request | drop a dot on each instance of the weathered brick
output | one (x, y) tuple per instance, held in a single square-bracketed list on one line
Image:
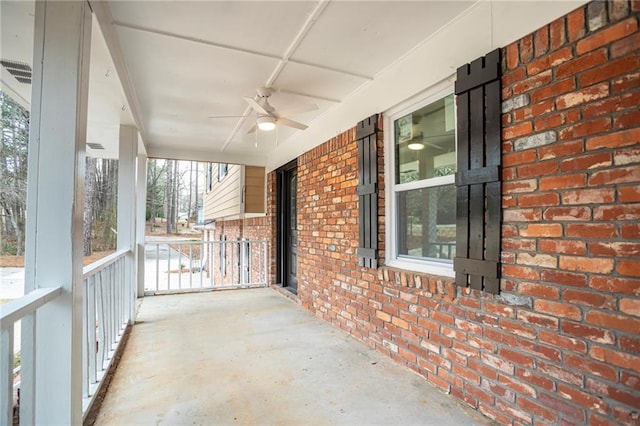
[(567, 214), (582, 96), (526, 49), (516, 130), (588, 365), (588, 298), (631, 399), (558, 309), (606, 36), (588, 196), (582, 63), (541, 230), (553, 90), (586, 128), (625, 46), (515, 102), (591, 230), (562, 405), (628, 267), (596, 15), (609, 70), (611, 105), (564, 181), (618, 9), (586, 264), (536, 140), (625, 83), (608, 320), (615, 139), (551, 60), (628, 174), (630, 306), (584, 331), (589, 401), (624, 121), (539, 199), (626, 156), (576, 24)]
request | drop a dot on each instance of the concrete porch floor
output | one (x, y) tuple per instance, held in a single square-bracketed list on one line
[(249, 357)]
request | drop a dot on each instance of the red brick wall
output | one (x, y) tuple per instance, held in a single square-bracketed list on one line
[(561, 343)]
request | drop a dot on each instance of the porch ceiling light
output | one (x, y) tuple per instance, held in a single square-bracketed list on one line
[(266, 123), (415, 146)]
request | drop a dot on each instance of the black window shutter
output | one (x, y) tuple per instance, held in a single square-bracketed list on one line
[(477, 262), (367, 190)]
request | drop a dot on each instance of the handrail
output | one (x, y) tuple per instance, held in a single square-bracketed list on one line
[(16, 309), (104, 262), (169, 241)]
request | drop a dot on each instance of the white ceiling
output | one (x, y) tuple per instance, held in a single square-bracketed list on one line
[(170, 65)]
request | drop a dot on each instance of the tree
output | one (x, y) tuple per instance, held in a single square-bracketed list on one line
[(13, 172)]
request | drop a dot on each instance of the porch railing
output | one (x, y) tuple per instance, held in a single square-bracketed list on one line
[(175, 266), (107, 309), (108, 301)]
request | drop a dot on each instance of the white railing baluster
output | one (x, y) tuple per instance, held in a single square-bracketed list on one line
[(6, 370), (86, 324), (91, 334), (157, 266), (191, 266)]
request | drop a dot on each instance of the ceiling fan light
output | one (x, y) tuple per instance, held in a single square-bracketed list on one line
[(415, 146), (266, 123)]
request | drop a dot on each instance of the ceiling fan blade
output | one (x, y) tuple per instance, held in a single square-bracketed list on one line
[(291, 123), (298, 110), (253, 128), (256, 106)]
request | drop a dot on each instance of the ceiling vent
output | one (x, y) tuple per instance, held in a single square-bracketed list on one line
[(95, 145), (20, 70)]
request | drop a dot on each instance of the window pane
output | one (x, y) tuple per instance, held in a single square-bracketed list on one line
[(427, 222), (425, 142)]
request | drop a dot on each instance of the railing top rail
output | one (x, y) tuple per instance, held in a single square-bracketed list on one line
[(202, 241), (103, 263), (27, 304)]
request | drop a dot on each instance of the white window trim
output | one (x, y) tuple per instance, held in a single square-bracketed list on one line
[(434, 93)]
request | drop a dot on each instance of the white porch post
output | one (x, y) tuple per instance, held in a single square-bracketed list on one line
[(127, 150), (55, 202), (141, 220)]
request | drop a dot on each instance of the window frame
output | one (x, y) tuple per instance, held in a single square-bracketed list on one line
[(223, 170), (392, 259)]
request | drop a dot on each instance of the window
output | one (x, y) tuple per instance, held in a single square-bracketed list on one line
[(421, 190), (209, 176), (222, 170)]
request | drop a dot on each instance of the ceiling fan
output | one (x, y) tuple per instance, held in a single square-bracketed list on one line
[(267, 116)]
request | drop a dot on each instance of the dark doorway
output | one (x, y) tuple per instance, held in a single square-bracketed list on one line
[(288, 226)]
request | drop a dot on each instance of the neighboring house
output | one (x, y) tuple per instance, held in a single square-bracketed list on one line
[(233, 194)]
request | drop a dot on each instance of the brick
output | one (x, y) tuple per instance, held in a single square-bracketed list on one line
[(514, 412), (560, 149), (517, 130), (526, 48), (537, 319), (625, 83), (582, 63), (596, 15), (538, 410), (588, 196), (525, 85), (540, 351), (618, 9), (557, 33), (630, 306), (494, 414), (616, 285), (625, 46), (591, 230), (616, 249), (576, 24), (541, 230), (549, 61), (553, 90), (518, 244), (586, 264), (538, 290), (562, 405), (626, 156), (517, 328), (630, 230), (540, 139), (518, 158), (539, 199), (624, 121), (611, 356), (540, 168), (541, 260), (609, 70), (611, 105), (557, 309), (541, 41), (512, 59), (628, 267), (592, 403), (629, 344), (538, 380), (608, 320), (631, 399), (567, 214), (582, 96), (515, 102), (563, 246), (595, 334), (564, 181), (383, 316), (519, 186), (586, 128), (617, 212), (560, 341), (606, 36), (618, 175), (563, 277), (586, 162), (592, 367), (587, 298)]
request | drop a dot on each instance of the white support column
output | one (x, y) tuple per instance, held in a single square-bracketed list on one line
[(127, 151), (55, 202), (141, 188)]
